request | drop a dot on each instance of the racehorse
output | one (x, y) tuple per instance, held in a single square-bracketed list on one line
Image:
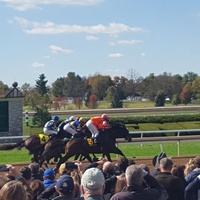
[(107, 145)]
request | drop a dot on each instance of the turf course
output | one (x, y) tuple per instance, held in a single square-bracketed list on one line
[(130, 150)]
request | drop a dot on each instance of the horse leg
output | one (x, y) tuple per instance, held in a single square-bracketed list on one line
[(87, 156), (118, 151), (62, 160)]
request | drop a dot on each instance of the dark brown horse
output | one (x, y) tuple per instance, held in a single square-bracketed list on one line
[(107, 145)]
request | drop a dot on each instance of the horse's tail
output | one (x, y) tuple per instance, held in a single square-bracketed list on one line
[(10, 146), (20, 144)]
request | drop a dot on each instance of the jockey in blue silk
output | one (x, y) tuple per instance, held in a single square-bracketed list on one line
[(50, 127), (73, 126)]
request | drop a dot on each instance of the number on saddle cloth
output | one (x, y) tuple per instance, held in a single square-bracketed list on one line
[(43, 138), (90, 141)]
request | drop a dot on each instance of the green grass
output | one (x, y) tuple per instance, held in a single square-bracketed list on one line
[(130, 150)]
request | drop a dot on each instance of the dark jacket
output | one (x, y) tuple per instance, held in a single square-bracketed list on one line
[(192, 175), (48, 193), (191, 191), (173, 184), (137, 192)]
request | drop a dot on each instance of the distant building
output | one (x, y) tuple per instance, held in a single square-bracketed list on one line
[(11, 113)]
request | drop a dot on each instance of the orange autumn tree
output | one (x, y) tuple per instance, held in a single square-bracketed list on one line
[(185, 96)]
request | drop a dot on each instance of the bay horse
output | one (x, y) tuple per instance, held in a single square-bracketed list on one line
[(107, 145), (35, 144)]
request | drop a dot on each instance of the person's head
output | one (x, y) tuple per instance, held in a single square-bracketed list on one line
[(92, 182), (108, 167), (65, 185), (122, 163), (55, 118), (133, 175), (13, 190), (63, 170), (197, 161), (72, 118), (3, 181), (105, 117), (120, 183), (49, 174), (37, 187), (34, 168), (166, 165), (81, 120), (26, 172)]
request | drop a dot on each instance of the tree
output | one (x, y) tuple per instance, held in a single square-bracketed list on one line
[(92, 101), (99, 84), (41, 85), (41, 116), (3, 88), (176, 99), (57, 87), (185, 96), (113, 97), (160, 98)]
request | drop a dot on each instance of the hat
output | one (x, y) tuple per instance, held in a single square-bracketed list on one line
[(34, 168), (65, 184), (93, 179), (157, 158), (49, 174), (166, 163)]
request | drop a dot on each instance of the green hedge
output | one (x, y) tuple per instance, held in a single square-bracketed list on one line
[(158, 119)]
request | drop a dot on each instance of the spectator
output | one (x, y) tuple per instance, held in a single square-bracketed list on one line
[(92, 184), (37, 187), (48, 177), (189, 167), (195, 172), (134, 186), (26, 173), (121, 165), (179, 172), (3, 181), (120, 183), (173, 184), (156, 163), (13, 190), (35, 174), (192, 189), (64, 187)]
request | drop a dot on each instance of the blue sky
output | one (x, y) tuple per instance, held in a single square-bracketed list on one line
[(110, 37)]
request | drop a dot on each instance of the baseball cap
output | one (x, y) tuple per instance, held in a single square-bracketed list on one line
[(93, 179), (65, 184), (49, 173)]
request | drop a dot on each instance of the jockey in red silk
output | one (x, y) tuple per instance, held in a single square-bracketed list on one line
[(97, 123), (50, 127)]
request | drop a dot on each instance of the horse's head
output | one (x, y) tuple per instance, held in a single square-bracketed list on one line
[(119, 130)]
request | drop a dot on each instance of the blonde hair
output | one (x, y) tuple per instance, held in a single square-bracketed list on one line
[(13, 190)]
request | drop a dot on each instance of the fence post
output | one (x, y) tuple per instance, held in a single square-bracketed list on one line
[(26, 118)]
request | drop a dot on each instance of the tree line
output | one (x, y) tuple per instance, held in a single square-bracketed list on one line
[(89, 90)]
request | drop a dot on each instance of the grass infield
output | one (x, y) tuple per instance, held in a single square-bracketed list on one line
[(130, 150)]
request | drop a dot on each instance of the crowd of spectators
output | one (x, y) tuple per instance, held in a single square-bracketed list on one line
[(104, 180)]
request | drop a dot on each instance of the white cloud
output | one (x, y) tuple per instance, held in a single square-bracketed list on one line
[(90, 37), (57, 49), (23, 5), (115, 55), (37, 65), (129, 42), (52, 28)]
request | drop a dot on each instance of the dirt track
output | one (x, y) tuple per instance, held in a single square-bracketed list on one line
[(147, 161)]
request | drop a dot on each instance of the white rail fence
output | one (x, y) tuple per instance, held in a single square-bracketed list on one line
[(149, 140)]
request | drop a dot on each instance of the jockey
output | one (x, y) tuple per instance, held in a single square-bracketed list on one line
[(68, 127), (50, 127), (97, 123)]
